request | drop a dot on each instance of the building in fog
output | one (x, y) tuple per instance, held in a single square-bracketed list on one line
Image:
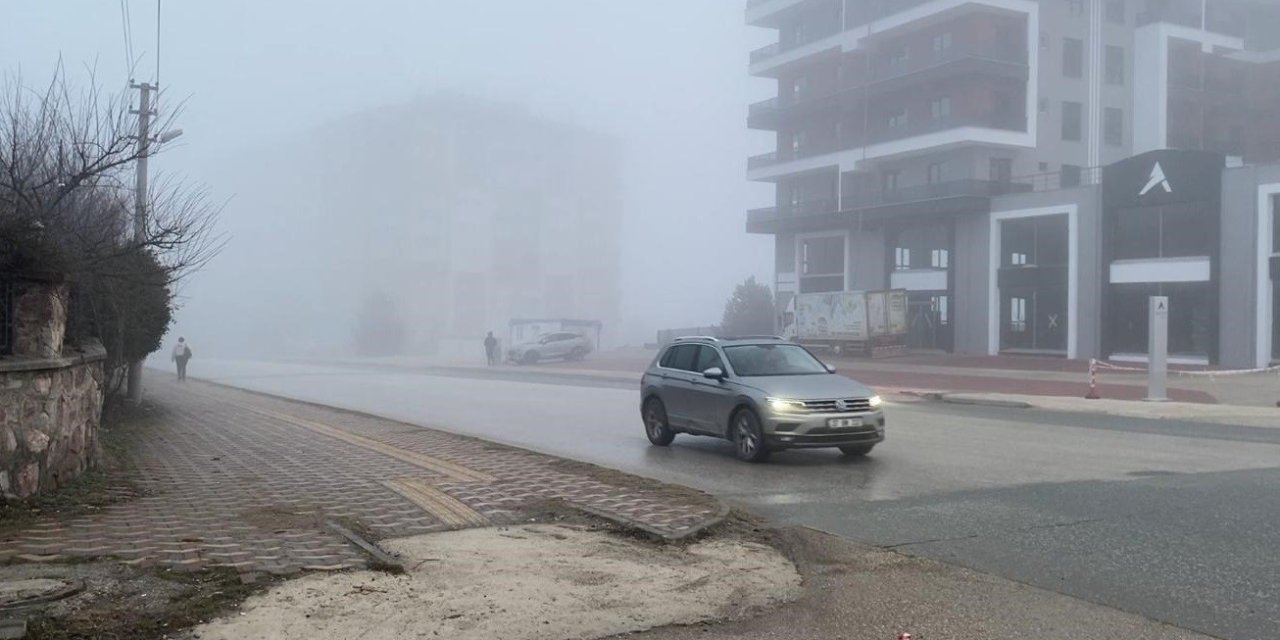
[(417, 228), (964, 149)]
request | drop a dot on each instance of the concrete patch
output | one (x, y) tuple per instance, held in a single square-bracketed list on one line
[(527, 582)]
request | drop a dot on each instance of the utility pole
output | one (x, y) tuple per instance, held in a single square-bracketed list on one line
[(140, 208)]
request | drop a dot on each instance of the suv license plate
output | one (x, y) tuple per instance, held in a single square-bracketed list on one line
[(839, 423)]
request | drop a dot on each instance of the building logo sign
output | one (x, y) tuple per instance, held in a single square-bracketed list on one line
[(1157, 179)]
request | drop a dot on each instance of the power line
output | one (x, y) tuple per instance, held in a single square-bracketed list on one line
[(124, 28)]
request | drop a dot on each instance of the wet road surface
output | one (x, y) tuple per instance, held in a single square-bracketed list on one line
[(1176, 521)]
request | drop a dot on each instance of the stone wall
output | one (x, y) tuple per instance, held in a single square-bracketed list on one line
[(50, 397)]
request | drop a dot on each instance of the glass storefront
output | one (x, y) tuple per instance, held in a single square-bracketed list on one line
[(1033, 284), (928, 320), (1192, 308)]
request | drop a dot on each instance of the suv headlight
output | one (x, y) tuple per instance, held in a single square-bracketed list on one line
[(875, 401), (779, 405)]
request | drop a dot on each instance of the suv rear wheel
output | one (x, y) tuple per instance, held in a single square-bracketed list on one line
[(748, 437), (655, 423), (530, 357)]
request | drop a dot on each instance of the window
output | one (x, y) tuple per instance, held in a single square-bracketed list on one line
[(797, 142), (942, 43), (898, 118), (1075, 7), (1115, 11), (1039, 241), (1275, 226), (822, 264), (1044, 105), (1162, 232), (941, 108), (798, 88), (1044, 40), (1002, 170), (1044, 166), (935, 175), (889, 180), (681, 357), (1073, 57), (1115, 65), (899, 57), (708, 357), (1113, 126), (1070, 176), (773, 360), (921, 247), (1018, 315), (1072, 121), (940, 259), (902, 258)]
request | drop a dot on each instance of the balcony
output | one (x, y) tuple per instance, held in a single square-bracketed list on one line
[(762, 160), (776, 49), (944, 198), (770, 114), (1001, 60), (934, 125)]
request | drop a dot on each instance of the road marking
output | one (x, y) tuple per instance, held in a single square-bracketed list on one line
[(430, 463), (448, 509)]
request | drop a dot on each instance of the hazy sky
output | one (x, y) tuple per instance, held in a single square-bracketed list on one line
[(667, 77)]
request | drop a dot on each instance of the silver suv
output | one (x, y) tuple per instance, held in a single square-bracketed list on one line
[(560, 345), (762, 393)]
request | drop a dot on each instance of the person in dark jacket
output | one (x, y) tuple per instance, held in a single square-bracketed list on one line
[(491, 348)]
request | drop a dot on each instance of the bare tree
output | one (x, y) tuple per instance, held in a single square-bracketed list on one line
[(66, 200)]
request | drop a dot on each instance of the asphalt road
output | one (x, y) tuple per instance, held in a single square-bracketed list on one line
[(1178, 522)]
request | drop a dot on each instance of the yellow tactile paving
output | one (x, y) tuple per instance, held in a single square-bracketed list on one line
[(442, 467), (448, 509)]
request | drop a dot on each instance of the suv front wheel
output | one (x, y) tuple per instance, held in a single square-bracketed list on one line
[(748, 437), (655, 423)]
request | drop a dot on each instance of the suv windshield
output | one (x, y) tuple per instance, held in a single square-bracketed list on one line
[(773, 360)]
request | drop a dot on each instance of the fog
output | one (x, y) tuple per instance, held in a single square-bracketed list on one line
[(336, 132)]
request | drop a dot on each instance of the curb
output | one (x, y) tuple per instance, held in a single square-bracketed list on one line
[(380, 560), (984, 402), (695, 530)]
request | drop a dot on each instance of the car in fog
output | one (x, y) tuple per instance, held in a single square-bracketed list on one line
[(764, 394), (560, 345)]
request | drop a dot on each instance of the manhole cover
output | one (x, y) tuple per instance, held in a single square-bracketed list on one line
[(17, 593)]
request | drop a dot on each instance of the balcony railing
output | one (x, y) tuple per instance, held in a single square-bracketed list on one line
[(936, 191), (934, 59), (934, 125), (779, 48), (762, 160), (854, 140)]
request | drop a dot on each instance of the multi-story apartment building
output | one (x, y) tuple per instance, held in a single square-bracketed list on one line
[(443, 218), (915, 136)]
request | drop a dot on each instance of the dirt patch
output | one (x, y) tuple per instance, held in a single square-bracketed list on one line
[(524, 581), (122, 603), (281, 519)]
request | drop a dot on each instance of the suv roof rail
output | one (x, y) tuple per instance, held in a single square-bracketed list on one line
[(684, 338), (757, 338)]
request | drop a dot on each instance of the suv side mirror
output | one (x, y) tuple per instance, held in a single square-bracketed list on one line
[(830, 369), (714, 373)]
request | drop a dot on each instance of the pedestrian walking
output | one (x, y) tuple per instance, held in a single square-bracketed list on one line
[(491, 348), (181, 354)]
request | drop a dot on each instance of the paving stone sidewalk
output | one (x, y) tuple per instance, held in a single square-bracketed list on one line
[(233, 479)]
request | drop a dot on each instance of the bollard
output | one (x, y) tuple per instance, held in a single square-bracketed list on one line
[(1093, 380)]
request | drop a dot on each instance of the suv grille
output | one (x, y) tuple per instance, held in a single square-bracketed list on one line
[(834, 406)]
